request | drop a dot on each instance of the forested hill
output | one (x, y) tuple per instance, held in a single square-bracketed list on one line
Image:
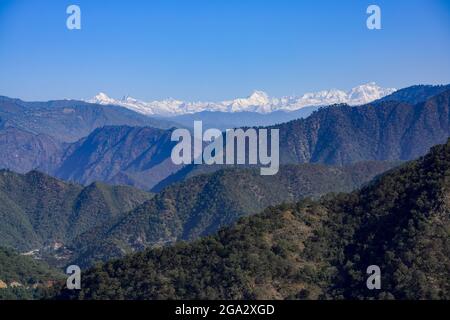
[(312, 249), (22, 277), (69, 120), (402, 126), (416, 94), (37, 210), (201, 205), (386, 130)]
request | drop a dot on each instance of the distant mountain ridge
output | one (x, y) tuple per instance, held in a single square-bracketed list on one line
[(340, 134), (416, 94), (64, 223), (308, 250), (382, 130), (385, 130), (229, 120), (139, 156), (204, 203), (23, 151), (258, 102), (68, 120)]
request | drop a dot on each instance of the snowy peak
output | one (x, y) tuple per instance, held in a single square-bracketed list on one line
[(367, 93), (102, 98), (258, 101), (255, 102), (259, 97)]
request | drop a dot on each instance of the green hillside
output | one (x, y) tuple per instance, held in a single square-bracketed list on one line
[(312, 249), (22, 277), (37, 210), (201, 205)]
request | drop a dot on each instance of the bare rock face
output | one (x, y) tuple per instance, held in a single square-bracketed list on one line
[(15, 284), (3, 285)]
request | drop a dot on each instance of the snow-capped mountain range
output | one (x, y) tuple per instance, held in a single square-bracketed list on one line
[(258, 101)]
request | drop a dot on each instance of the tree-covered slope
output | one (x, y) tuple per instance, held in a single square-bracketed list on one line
[(387, 130), (416, 94), (37, 210), (23, 151), (22, 277), (312, 249), (137, 156), (121, 150), (202, 204), (69, 120)]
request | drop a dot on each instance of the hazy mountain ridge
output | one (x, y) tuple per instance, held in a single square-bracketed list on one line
[(340, 134), (22, 151), (387, 130), (229, 120), (122, 155), (68, 120), (383, 130), (98, 222), (202, 204), (308, 250), (416, 94), (139, 156)]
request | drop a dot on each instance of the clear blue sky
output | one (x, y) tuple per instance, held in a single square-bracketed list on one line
[(213, 50)]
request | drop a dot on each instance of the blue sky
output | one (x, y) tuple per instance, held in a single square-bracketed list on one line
[(214, 50)]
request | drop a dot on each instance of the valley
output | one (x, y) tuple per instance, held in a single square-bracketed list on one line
[(115, 193), (399, 127), (306, 250)]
